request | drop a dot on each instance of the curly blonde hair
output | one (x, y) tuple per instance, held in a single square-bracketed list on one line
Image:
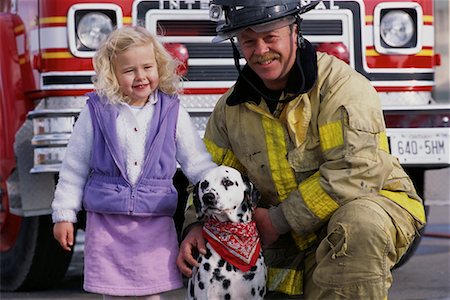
[(119, 41)]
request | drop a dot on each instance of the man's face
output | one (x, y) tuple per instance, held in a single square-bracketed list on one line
[(270, 54)]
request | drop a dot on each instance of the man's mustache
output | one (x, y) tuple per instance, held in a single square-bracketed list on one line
[(266, 57)]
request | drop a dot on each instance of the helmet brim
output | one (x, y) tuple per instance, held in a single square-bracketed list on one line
[(262, 27)]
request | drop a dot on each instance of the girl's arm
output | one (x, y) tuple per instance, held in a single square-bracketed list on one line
[(194, 159), (74, 171)]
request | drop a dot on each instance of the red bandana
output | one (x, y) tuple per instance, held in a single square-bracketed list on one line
[(237, 243)]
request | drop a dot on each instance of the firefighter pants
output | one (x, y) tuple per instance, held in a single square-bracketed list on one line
[(355, 259)]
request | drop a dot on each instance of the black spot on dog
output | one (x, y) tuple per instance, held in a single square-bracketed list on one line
[(227, 297), (217, 275), (228, 267), (201, 285), (254, 268), (206, 266), (204, 185), (253, 292), (191, 289), (249, 276), (226, 283), (221, 263), (262, 292), (208, 254)]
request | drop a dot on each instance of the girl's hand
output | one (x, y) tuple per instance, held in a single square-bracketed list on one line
[(192, 243), (63, 233)]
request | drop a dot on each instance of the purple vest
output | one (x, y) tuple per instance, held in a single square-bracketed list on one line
[(107, 189)]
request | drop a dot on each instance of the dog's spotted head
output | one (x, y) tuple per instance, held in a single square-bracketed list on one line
[(225, 194)]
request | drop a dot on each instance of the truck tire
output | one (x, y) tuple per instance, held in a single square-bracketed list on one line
[(417, 175), (36, 261), (415, 244)]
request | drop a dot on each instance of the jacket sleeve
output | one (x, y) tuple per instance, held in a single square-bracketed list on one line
[(194, 160), (74, 171), (357, 163)]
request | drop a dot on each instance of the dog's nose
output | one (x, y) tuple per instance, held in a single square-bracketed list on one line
[(209, 198)]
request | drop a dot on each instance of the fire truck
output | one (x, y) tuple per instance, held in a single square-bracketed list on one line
[(46, 68)]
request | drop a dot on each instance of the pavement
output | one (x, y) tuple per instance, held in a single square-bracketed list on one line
[(426, 276)]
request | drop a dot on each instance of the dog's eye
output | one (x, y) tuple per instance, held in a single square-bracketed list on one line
[(226, 182)]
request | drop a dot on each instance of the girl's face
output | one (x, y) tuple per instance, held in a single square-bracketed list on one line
[(137, 73)]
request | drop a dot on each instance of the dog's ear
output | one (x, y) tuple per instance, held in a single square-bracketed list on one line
[(252, 195), (197, 202)]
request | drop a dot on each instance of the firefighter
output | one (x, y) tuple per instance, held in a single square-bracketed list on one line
[(337, 211)]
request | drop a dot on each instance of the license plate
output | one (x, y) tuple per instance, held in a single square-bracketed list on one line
[(420, 145)]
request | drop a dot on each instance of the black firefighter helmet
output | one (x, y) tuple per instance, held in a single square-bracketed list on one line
[(259, 15)]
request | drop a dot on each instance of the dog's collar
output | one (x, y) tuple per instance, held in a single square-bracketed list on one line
[(237, 243)]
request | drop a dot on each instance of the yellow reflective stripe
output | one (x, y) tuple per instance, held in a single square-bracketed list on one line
[(428, 19), (372, 52), (223, 156), (315, 197), (286, 281), (282, 173), (50, 55), (190, 200), (413, 206), (50, 20), (127, 20), (383, 142), (331, 135), (425, 52), (304, 242)]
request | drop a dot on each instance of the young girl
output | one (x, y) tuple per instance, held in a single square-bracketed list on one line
[(119, 165)]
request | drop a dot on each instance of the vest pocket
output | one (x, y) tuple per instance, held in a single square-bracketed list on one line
[(105, 197)]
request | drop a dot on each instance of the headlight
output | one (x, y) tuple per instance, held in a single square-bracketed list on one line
[(93, 28), (397, 28)]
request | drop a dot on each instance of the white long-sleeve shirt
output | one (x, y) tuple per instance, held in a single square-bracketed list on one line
[(132, 127)]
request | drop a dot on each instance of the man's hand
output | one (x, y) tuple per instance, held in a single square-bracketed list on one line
[(194, 241), (266, 230), (63, 233)]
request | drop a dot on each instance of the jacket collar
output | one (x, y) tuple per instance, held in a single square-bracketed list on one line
[(306, 64)]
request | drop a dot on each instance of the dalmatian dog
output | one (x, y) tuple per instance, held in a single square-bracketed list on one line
[(233, 266)]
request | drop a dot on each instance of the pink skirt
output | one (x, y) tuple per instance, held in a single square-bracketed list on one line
[(130, 255)]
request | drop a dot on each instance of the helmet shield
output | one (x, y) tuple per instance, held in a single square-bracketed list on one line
[(260, 15), (263, 27)]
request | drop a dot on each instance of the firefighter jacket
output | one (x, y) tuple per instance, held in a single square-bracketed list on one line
[(312, 155)]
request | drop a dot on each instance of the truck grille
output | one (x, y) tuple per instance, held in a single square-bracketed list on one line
[(192, 28)]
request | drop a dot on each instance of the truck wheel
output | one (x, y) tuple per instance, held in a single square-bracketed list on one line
[(415, 244), (36, 260), (417, 175)]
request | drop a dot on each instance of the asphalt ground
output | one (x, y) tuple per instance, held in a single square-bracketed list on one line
[(426, 276)]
